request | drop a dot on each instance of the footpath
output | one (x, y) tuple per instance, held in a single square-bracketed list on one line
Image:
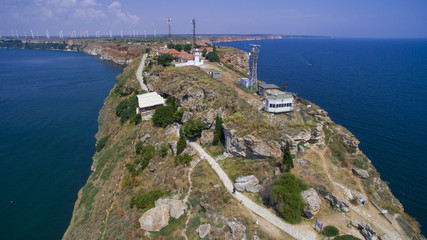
[(139, 73), (260, 211)]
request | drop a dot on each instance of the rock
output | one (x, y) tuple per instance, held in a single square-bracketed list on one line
[(155, 219), (250, 146), (302, 137), (360, 173), (217, 185), (190, 150), (172, 146), (193, 99), (301, 149), (277, 171), (247, 183), (337, 203), (237, 230), (203, 230), (177, 207), (186, 116), (312, 201), (207, 137), (145, 138), (300, 161), (209, 118)]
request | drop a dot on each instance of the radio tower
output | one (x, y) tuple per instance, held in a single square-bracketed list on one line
[(193, 21), (254, 59), (170, 31)]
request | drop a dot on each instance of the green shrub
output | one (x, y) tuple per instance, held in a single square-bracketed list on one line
[(163, 116), (284, 196), (138, 147), (213, 57), (330, 231), (183, 159), (218, 134), (177, 116), (101, 143), (136, 119), (182, 142), (193, 128), (146, 201), (126, 108), (165, 59), (287, 161), (164, 150), (346, 237), (172, 226)]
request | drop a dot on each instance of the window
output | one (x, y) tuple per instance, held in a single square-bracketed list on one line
[(271, 105)]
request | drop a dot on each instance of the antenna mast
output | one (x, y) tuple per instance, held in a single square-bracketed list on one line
[(170, 31), (254, 59), (193, 21)]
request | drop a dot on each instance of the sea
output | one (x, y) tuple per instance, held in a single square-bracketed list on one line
[(376, 88), (49, 105)]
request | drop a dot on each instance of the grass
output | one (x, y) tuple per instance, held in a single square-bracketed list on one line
[(235, 168)]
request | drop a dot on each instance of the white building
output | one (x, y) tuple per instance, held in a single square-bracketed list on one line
[(279, 103), (196, 62), (247, 83), (147, 102)]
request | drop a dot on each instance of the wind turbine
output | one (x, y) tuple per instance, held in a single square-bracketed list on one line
[(25, 34), (32, 34), (47, 34), (111, 34), (121, 33)]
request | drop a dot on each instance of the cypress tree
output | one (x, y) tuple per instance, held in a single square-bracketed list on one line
[(218, 134), (182, 143), (288, 163)]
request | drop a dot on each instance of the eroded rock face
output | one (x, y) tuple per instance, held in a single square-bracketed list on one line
[(186, 116), (203, 230), (176, 207), (207, 137), (247, 183), (155, 219), (360, 173), (238, 231), (172, 146), (193, 100), (249, 146), (312, 201)]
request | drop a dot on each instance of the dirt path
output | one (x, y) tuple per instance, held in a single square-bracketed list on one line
[(139, 73), (192, 165), (261, 211)]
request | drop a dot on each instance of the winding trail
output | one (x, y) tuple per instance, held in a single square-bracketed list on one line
[(139, 73), (261, 211)]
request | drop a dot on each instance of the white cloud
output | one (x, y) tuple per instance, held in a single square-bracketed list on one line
[(116, 8)]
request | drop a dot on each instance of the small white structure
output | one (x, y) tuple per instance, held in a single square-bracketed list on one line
[(263, 88), (196, 62), (279, 103), (147, 102), (247, 83)]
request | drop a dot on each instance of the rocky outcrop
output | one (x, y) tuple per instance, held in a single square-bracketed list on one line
[(203, 230), (360, 173), (237, 59), (238, 231), (364, 228), (249, 146), (312, 201), (206, 137), (247, 183), (155, 219), (186, 116), (176, 207), (193, 99), (172, 146), (337, 203)]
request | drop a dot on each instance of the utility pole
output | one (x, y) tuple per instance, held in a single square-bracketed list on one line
[(254, 59), (193, 21), (170, 31)]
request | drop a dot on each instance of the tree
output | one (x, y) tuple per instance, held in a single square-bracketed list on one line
[(163, 116), (187, 47), (287, 162), (214, 48), (165, 59), (204, 52), (218, 134), (193, 128), (182, 143), (147, 50), (212, 56)]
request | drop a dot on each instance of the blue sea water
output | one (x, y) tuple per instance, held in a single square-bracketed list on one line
[(49, 102), (376, 88)]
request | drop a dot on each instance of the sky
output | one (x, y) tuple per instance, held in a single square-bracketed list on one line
[(338, 18)]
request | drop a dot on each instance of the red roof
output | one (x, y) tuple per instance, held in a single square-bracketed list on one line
[(203, 45)]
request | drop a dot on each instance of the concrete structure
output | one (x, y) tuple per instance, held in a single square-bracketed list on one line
[(279, 103), (247, 83), (147, 102), (215, 74), (262, 89), (196, 62)]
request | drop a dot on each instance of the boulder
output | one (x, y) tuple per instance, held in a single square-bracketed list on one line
[(206, 137), (155, 219), (302, 137), (209, 118), (172, 146), (337, 203), (144, 138), (203, 230), (237, 229), (360, 172), (312, 201), (301, 149), (176, 207), (247, 183), (186, 116), (193, 99)]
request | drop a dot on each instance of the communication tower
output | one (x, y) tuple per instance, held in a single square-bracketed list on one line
[(170, 31), (193, 21), (254, 59)]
